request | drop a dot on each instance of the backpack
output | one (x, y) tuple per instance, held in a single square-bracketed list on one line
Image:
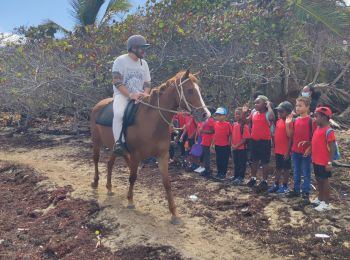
[(337, 152), (271, 125)]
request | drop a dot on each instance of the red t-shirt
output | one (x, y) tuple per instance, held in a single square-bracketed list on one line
[(208, 125), (222, 133), (320, 152), (191, 126), (301, 128), (281, 138), (237, 136), (180, 118), (260, 126)]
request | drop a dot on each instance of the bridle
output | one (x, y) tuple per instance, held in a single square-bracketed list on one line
[(182, 97)]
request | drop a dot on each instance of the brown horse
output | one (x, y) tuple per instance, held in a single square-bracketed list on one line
[(149, 135)]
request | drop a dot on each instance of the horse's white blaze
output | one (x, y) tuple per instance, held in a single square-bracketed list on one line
[(201, 99)]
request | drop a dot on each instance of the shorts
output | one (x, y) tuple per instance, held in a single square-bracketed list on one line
[(321, 173), (261, 151), (281, 163)]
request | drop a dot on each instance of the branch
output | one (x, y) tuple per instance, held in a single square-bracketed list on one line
[(341, 73)]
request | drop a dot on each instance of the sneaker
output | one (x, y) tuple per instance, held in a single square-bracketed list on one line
[(200, 169), (305, 197), (236, 181), (323, 207), (274, 188), (262, 187), (315, 202), (220, 177), (251, 183), (293, 194), (283, 189), (118, 148)]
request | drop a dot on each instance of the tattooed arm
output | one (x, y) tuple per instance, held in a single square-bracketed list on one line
[(147, 87)]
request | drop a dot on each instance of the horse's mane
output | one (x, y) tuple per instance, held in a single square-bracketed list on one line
[(162, 87)]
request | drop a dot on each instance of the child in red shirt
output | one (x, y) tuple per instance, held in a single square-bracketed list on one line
[(261, 120), (180, 120), (222, 135), (323, 151), (283, 143), (240, 133), (207, 133), (301, 128)]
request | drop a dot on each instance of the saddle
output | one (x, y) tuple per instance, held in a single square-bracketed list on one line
[(105, 117)]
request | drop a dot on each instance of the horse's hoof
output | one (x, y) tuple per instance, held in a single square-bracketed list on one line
[(175, 220), (110, 193), (131, 206), (94, 185)]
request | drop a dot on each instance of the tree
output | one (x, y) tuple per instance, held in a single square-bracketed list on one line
[(85, 11)]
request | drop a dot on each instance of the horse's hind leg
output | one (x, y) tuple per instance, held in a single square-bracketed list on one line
[(163, 168), (109, 173), (96, 157), (133, 165)]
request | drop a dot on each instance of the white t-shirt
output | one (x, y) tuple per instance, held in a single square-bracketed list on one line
[(134, 74)]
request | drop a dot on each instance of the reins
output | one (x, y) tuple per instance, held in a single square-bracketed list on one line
[(182, 97)]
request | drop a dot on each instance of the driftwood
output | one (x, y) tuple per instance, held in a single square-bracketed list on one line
[(338, 100)]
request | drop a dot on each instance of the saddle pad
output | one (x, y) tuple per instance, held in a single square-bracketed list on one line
[(105, 117)]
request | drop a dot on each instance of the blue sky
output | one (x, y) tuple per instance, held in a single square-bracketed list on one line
[(14, 13)]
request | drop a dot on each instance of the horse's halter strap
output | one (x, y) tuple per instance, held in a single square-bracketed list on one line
[(182, 97)]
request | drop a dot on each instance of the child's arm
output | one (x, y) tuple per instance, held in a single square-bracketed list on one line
[(332, 148), (246, 114), (289, 128), (183, 134), (290, 142), (270, 110)]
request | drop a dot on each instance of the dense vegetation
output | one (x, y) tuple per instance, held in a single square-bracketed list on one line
[(238, 46)]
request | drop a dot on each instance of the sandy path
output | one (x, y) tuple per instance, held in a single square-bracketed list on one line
[(149, 223)]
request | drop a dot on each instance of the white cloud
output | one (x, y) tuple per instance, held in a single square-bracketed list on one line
[(10, 38)]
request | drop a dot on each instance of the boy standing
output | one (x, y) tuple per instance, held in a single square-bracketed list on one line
[(323, 151), (207, 132), (283, 143), (222, 135), (301, 129), (262, 119), (240, 133)]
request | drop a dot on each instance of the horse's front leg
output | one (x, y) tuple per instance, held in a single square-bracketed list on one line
[(163, 168), (109, 173), (133, 165)]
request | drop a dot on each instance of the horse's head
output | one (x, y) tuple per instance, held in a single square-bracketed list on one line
[(188, 96)]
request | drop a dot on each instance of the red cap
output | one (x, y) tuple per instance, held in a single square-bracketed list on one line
[(324, 110)]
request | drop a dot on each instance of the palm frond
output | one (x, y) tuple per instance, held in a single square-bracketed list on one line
[(51, 24), (85, 11), (115, 6), (329, 13)]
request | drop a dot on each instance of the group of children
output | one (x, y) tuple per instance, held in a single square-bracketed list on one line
[(297, 138)]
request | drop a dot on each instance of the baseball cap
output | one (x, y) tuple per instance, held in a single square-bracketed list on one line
[(285, 106), (324, 110), (221, 111)]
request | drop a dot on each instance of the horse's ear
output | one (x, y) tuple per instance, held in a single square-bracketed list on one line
[(197, 74), (187, 74)]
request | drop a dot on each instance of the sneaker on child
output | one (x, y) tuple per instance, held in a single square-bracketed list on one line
[(274, 188), (262, 187), (200, 169), (251, 183), (315, 202), (323, 206), (283, 189), (293, 194)]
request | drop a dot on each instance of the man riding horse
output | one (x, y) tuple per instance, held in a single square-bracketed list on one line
[(131, 81)]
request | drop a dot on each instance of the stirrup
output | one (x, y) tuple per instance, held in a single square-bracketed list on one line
[(118, 148)]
